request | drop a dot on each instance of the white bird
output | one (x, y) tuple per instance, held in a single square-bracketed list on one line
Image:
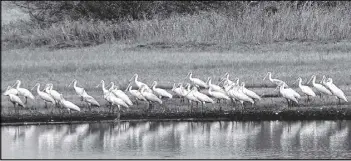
[(201, 97), (149, 96), (288, 94), (249, 93), (335, 90), (320, 88), (139, 84), (189, 94), (110, 97), (23, 92), (113, 100), (196, 81), (238, 92), (306, 89), (135, 93), (275, 81), (178, 91), (53, 93), (15, 100), (79, 90), (226, 80), (11, 90), (217, 94), (323, 81), (104, 90), (120, 94), (44, 96), (215, 87), (160, 92), (91, 101), (69, 105)]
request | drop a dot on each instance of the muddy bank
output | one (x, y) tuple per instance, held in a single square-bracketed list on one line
[(323, 113)]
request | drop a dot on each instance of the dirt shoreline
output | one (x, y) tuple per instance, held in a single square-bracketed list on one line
[(341, 113)]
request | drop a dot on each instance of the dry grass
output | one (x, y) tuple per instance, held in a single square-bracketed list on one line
[(254, 26)]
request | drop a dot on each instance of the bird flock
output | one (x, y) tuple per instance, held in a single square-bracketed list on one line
[(226, 89)]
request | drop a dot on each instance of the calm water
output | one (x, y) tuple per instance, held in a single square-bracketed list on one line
[(219, 139)]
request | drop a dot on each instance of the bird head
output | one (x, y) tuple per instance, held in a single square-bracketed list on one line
[(268, 73), (73, 81)]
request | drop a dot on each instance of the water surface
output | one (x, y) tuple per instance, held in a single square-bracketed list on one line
[(173, 139)]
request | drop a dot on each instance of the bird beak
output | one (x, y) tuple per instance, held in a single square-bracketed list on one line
[(296, 81), (265, 76), (97, 85), (33, 88), (310, 79), (127, 88), (14, 84), (70, 83)]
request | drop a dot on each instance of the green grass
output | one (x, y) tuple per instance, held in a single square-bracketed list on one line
[(118, 63)]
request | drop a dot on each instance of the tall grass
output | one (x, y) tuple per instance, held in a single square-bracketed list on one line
[(255, 25)]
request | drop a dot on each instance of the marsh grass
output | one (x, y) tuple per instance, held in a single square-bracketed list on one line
[(118, 63), (254, 26)]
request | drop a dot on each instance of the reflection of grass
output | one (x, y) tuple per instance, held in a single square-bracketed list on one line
[(115, 63)]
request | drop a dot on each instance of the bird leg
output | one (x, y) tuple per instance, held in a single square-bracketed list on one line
[(339, 101), (81, 98), (26, 101)]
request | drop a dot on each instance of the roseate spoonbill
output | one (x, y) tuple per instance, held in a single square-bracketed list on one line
[(275, 81), (149, 96), (23, 92), (335, 90), (79, 90), (104, 90), (189, 94), (250, 93), (241, 96), (120, 94), (69, 105), (306, 89), (11, 90), (160, 92), (139, 84), (287, 94), (226, 79), (320, 88), (91, 101), (135, 93), (201, 97), (217, 94), (54, 94), (44, 96), (178, 91), (214, 86), (323, 81), (113, 100), (196, 81), (15, 100)]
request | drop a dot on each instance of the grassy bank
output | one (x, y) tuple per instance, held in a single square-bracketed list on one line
[(168, 65), (265, 110), (253, 25)]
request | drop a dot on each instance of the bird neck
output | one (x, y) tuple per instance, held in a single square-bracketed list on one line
[(38, 88), (75, 84), (314, 80), (300, 82), (270, 76)]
